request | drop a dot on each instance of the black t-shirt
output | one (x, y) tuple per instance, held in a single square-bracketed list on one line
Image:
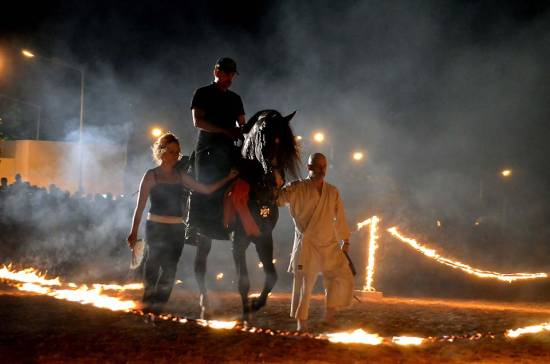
[(221, 108)]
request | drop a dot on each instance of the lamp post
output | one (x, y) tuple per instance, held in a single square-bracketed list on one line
[(81, 71), (37, 107), (505, 173)]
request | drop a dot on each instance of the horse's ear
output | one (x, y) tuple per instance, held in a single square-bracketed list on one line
[(250, 123), (289, 116)]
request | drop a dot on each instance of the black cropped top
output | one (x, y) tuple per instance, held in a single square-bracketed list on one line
[(166, 198)]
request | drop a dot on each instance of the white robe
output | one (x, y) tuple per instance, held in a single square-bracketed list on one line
[(320, 224)]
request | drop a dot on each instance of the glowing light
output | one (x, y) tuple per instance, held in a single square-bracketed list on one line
[(156, 132), (506, 172), (218, 325), (407, 340), (298, 137), (30, 280), (369, 270), (319, 137), (438, 223), (179, 281), (357, 156), (534, 329), (274, 261), (27, 53), (358, 336), (118, 287), (431, 253), (219, 276), (28, 275), (260, 265)]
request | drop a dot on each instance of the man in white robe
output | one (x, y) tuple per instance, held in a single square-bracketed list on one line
[(320, 225)]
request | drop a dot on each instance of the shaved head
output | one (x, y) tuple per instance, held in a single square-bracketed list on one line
[(317, 166), (314, 158)]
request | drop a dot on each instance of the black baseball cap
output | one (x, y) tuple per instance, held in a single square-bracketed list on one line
[(227, 65)]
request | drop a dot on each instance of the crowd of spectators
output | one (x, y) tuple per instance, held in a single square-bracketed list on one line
[(56, 230)]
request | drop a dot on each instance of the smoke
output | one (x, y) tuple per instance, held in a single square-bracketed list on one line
[(439, 96)]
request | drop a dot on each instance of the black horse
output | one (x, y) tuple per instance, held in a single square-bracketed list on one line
[(269, 152)]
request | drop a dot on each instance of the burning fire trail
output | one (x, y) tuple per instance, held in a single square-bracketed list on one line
[(407, 340), (373, 222), (356, 337), (431, 253), (29, 275), (30, 280), (534, 329)]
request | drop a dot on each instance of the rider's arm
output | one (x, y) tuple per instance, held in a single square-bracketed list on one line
[(200, 122)]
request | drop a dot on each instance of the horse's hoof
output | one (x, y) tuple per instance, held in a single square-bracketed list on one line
[(258, 303), (205, 313)]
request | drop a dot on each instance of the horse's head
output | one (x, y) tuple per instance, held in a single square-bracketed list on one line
[(269, 139)]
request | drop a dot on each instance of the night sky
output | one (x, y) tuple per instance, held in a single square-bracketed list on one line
[(441, 95)]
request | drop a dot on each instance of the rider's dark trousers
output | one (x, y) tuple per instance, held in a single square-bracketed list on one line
[(164, 245)]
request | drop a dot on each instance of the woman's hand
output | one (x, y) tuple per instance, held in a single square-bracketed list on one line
[(233, 173), (132, 239)]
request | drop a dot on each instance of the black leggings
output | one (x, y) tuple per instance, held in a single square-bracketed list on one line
[(164, 245)]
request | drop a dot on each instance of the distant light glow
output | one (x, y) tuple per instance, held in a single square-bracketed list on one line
[(358, 156), (156, 132), (299, 137), (319, 137), (27, 53), (506, 172)]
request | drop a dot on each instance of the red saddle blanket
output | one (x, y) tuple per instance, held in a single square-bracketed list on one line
[(235, 203)]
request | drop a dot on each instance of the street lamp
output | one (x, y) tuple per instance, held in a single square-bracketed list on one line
[(80, 70), (319, 137), (505, 173), (358, 156), (27, 53), (156, 132)]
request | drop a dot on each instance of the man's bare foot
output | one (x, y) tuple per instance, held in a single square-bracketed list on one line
[(301, 325)]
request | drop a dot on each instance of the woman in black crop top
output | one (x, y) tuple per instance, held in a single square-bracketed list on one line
[(164, 229)]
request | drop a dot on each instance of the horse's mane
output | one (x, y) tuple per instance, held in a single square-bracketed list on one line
[(262, 130)]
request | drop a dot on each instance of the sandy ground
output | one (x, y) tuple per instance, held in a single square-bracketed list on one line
[(42, 329)]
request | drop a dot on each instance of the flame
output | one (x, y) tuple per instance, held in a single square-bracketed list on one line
[(260, 265), (369, 276), (118, 287), (534, 329), (30, 280), (431, 253), (407, 340), (358, 336), (258, 294), (29, 275), (218, 325), (219, 276)]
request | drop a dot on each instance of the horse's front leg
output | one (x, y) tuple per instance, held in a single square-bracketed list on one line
[(240, 243), (201, 255), (264, 247)]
